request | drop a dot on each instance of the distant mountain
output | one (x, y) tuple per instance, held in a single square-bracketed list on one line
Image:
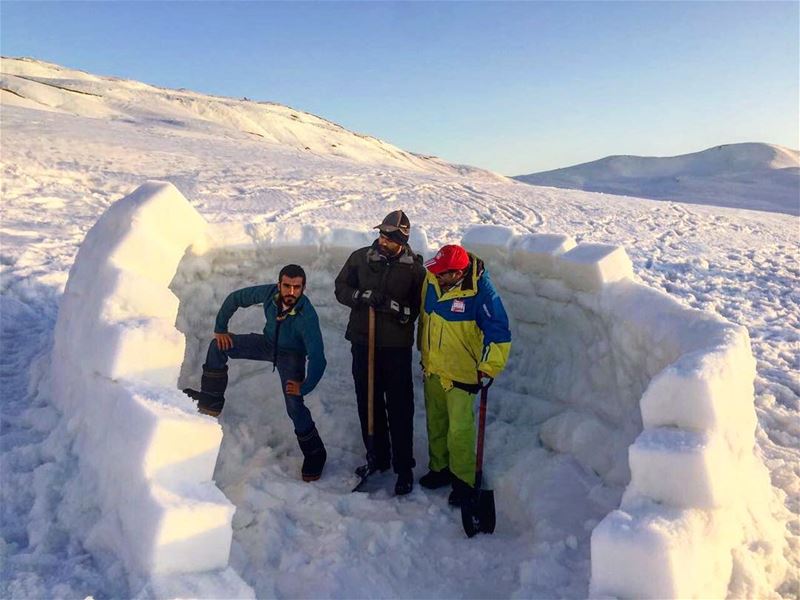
[(34, 84), (752, 175)]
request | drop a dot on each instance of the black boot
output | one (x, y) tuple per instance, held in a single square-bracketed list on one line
[(314, 453), (211, 397), (436, 479), (405, 483), (461, 492)]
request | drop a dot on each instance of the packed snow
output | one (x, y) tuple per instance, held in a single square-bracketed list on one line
[(623, 446), (747, 175)]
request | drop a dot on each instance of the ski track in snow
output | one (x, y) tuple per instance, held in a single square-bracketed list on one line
[(741, 264)]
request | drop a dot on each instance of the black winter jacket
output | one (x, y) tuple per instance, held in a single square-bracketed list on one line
[(399, 278)]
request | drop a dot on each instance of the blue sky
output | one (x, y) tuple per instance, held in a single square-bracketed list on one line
[(516, 87)]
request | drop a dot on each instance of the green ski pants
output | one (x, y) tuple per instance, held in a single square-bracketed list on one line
[(451, 429)]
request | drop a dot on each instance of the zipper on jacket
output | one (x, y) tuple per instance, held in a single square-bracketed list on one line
[(279, 318), (275, 345), (429, 329)]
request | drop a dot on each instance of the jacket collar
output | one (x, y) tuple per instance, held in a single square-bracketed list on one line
[(276, 298), (468, 286)]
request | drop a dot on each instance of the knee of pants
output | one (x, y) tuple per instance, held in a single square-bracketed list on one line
[(215, 358), (295, 407), (461, 435)]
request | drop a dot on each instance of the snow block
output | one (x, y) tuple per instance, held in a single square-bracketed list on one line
[(587, 267), (148, 349), (663, 327), (418, 240), (655, 552), (489, 242), (146, 233), (130, 295), (535, 253), (179, 447), (681, 468), (288, 242), (709, 389), (178, 532), (211, 585), (146, 255), (340, 243), (593, 443)]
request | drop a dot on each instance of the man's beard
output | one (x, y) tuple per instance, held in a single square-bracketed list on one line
[(384, 251), (288, 300)]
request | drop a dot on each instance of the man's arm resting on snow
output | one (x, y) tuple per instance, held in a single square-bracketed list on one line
[(312, 339), (492, 320), (257, 294)]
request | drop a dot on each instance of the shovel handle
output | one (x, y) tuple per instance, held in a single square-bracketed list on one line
[(481, 434), (371, 374)]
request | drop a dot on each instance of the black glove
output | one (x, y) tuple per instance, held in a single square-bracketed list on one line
[(371, 298), (402, 312)]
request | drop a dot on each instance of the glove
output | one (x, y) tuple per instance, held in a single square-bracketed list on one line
[(484, 380), (371, 298), (401, 312)]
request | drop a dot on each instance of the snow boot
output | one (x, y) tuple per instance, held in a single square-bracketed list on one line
[(436, 479), (211, 397), (461, 492), (405, 483), (314, 455)]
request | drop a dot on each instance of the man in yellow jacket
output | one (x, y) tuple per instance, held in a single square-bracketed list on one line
[(464, 338)]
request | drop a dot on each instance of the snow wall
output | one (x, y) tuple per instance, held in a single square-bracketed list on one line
[(652, 395), (145, 453)]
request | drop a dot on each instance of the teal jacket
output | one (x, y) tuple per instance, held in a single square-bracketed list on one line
[(298, 332)]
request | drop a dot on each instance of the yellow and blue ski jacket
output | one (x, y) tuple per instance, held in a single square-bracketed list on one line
[(464, 330)]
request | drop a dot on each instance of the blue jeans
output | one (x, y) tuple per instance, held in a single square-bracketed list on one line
[(290, 365)]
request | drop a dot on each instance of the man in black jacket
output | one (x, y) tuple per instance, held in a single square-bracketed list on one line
[(388, 276)]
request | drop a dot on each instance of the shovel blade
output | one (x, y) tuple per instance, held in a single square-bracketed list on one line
[(478, 513), (365, 471), (363, 478)]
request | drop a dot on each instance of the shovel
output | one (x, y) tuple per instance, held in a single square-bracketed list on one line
[(368, 469), (477, 512)]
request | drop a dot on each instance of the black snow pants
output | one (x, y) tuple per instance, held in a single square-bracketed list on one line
[(393, 404)]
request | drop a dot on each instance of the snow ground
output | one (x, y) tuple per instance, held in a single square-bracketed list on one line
[(60, 172)]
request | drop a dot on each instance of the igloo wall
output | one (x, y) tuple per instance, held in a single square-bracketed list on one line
[(145, 454), (655, 395), (652, 395)]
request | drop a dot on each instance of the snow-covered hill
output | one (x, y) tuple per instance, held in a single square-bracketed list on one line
[(755, 176), (553, 452), (30, 83)]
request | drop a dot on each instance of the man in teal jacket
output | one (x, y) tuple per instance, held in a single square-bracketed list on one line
[(291, 334)]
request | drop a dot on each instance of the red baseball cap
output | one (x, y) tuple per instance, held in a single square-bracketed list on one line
[(449, 258)]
